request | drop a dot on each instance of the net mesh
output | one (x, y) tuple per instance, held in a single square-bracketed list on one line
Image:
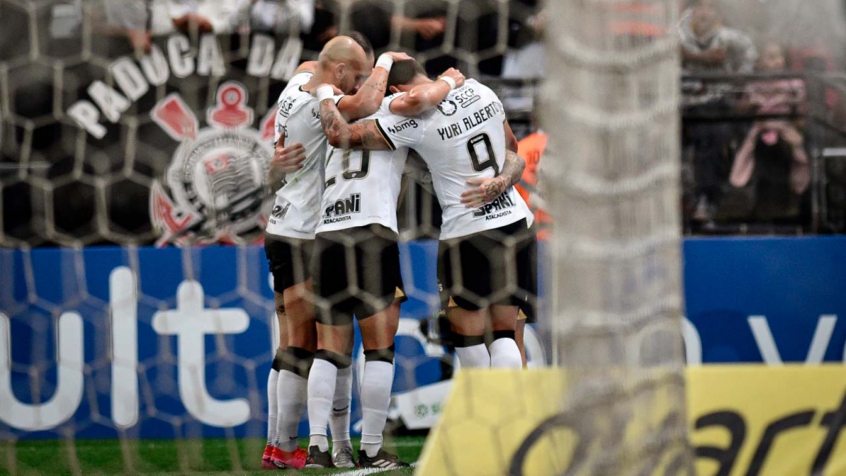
[(161, 164), (612, 177)]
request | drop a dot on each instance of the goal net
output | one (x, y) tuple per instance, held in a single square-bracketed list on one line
[(612, 177), (120, 127)]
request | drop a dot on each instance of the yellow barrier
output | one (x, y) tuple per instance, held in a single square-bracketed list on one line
[(744, 420)]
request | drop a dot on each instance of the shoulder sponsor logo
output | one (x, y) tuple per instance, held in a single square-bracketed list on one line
[(408, 124)]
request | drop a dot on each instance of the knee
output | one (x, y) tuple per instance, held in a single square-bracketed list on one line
[(380, 355), (460, 340), (278, 360), (297, 361), (341, 361)]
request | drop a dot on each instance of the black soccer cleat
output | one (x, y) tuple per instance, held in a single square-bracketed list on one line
[(383, 460), (318, 459)]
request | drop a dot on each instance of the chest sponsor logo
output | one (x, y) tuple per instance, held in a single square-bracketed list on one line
[(342, 210), (499, 208)]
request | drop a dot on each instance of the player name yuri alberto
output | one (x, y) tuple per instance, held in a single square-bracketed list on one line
[(467, 124)]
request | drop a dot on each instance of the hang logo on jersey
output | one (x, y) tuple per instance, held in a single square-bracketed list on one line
[(407, 124), (466, 97), (496, 209), (342, 210), (216, 179)]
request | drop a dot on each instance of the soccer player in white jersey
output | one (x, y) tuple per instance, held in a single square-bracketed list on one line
[(356, 271), (484, 259), (345, 64)]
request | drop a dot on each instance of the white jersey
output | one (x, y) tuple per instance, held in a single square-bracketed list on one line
[(296, 211), (362, 186), (463, 139)]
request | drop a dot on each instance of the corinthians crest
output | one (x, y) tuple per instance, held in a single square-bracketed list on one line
[(213, 191)]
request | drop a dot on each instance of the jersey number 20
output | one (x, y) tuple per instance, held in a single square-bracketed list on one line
[(362, 171)]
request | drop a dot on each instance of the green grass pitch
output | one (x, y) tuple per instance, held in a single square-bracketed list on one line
[(162, 457)]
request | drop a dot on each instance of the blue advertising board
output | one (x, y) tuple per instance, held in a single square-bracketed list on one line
[(769, 300), (101, 342)]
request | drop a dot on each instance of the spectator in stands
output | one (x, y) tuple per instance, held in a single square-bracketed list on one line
[(708, 46), (313, 20), (773, 159), (129, 18), (376, 19), (207, 16), (525, 58)]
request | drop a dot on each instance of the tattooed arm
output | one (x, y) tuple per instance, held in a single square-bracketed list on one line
[(510, 139), (341, 134), (369, 97), (488, 189)]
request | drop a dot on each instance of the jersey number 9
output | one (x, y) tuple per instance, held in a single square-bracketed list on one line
[(472, 148)]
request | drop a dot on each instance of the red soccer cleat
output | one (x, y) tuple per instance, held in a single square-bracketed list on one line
[(266, 463), (289, 459)]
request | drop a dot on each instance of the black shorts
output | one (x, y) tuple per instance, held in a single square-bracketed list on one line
[(357, 274), (289, 260), (488, 268), (529, 307)]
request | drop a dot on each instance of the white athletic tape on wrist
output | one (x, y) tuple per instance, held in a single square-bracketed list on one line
[(324, 93), (385, 61), (449, 81)]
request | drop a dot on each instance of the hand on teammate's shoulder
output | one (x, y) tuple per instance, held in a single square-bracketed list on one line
[(456, 76)]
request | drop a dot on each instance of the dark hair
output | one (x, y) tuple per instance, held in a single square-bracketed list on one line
[(362, 40), (403, 72)]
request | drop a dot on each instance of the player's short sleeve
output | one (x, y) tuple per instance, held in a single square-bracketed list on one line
[(400, 131), (299, 79)]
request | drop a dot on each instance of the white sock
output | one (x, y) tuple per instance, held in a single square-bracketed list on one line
[(292, 393), (474, 356), (272, 407), (321, 391), (375, 400), (505, 354), (339, 422)]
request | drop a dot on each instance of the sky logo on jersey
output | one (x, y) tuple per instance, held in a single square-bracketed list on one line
[(496, 209), (342, 209), (407, 124)]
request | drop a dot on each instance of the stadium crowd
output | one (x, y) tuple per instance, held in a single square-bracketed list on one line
[(751, 81), (738, 170)]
